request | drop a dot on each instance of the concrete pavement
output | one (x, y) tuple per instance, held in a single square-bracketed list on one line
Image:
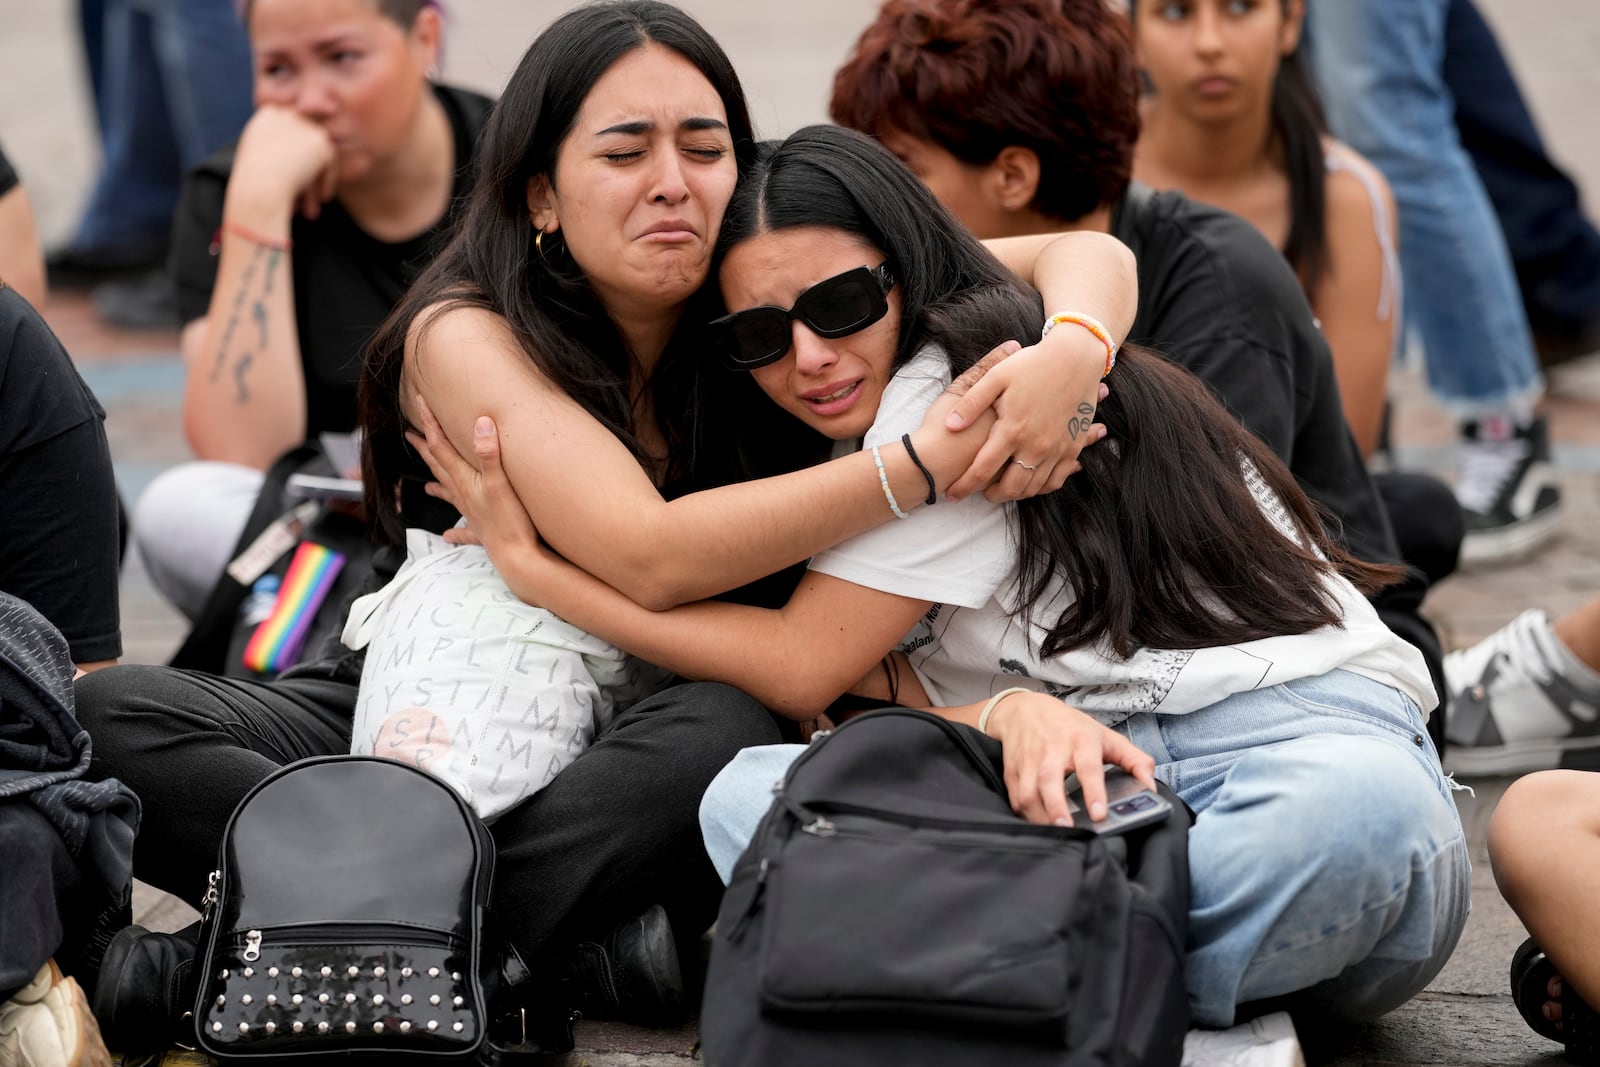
[(787, 53)]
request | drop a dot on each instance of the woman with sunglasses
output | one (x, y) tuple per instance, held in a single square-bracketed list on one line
[(584, 360), (1215, 636)]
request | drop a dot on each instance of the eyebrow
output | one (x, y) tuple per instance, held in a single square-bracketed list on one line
[(645, 126)]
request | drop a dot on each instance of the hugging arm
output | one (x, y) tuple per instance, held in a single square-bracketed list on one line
[(1045, 395), (596, 505), (796, 659)]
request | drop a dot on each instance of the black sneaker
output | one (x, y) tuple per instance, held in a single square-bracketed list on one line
[(1508, 491), (632, 976), (145, 989)]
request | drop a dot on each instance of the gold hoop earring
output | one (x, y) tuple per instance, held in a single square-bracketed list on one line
[(538, 243)]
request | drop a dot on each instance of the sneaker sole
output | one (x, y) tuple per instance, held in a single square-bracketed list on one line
[(1524, 757), (1509, 543)]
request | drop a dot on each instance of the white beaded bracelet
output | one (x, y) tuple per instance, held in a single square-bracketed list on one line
[(883, 480)]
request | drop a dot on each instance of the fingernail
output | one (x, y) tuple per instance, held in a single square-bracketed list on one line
[(484, 427), (1097, 810), (1012, 347), (953, 421), (1063, 822)]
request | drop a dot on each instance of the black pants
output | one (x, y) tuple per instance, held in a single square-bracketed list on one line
[(616, 832), (39, 889)]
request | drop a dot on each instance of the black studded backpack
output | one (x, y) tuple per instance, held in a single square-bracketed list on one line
[(347, 918)]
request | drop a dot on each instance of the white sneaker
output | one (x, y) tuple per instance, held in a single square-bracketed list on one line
[(48, 1024), (1265, 1041), (1514, 709)]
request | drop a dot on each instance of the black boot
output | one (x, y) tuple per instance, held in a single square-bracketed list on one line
[(529, 1020), (146, 988), (632, 976)]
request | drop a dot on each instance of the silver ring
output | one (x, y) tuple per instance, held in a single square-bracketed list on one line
[(1026, 466)]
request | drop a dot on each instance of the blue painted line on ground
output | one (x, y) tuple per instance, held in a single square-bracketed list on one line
[(115, 382)]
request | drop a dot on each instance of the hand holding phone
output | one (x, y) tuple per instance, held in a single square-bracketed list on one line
[(1129, 805)]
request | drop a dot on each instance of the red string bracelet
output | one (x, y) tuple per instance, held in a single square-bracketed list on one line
[(229, 226)]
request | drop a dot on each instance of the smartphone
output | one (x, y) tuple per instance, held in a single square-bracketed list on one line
[(1129, 805), (317, 487)]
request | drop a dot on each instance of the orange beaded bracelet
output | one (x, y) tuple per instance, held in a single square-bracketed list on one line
[(1093, 325)]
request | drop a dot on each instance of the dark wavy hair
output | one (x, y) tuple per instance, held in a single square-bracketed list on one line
[(976, 76), (1299, 124), (1159, 537), (490, 260)]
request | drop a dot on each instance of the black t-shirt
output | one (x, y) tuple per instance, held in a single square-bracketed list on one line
[(345, 280), (58, 503), (1216, 297)]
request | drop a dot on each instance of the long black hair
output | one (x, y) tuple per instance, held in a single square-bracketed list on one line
[(1299, 125), (1159, 537), (491, 261)]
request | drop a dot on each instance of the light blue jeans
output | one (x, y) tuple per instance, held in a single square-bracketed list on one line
[(1326, 859), (1380, 64)]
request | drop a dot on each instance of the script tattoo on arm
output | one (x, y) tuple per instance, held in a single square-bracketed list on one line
[(1081, 421), (245, 358)]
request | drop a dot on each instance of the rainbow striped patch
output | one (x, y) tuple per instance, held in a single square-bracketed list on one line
[(276, 643)]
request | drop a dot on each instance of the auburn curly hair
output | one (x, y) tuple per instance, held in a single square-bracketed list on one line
[(975, 76)]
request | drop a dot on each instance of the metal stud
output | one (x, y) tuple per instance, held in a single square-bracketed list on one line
[(244, 1028), (323, 1027), (434, 1000), (406, 972), (246, 999), (216, 1028), (433, 1024), (349, 998), (350, 1027), (272, 972), (378, 972), (326, 972), (377, 999), (272, 998), (455, 976), (458, 1027), (458, 1002), (221, 1000), (296, 999), (296, 972), (405, 1027), (271, 1028), (323, 998), (353, 972), (298, 1026), (433, 972), (224, 974), (405, 998), (249, 972), (377, 1028)]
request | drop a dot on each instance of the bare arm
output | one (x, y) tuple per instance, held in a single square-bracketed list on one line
[(21, 261), (596, 505), (1046, 394), (244, 398), (1358, 315)]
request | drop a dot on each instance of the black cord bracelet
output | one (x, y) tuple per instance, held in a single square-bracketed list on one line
[(933, 494)]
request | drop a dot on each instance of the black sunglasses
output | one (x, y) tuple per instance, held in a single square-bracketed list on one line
[(835, 307)]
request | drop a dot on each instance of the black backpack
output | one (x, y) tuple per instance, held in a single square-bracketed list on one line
[(893, 909)]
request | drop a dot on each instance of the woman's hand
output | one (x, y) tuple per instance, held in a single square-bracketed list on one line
[(1045, 397), (496, 517), (284, 163), (1045, 739)]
